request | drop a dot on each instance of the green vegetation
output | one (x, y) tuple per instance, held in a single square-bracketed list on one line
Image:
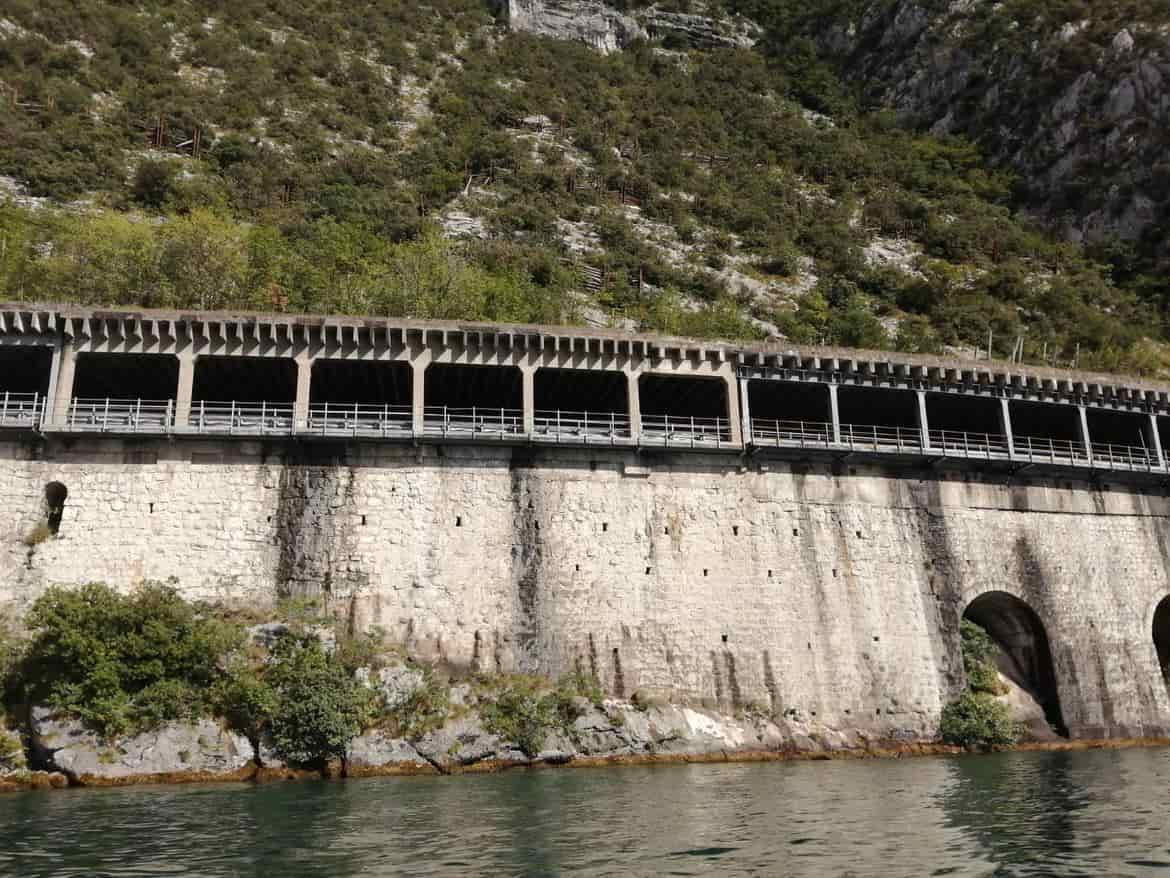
[(122, 662), (268, 156), (525, 710), (126, 663), (977, 719)]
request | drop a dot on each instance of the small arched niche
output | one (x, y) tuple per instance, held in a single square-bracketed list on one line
[(55, 496), (1025, 657), (1162, 637)]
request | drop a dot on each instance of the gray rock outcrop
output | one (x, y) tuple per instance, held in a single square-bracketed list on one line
[(607, 29), (177, 751)]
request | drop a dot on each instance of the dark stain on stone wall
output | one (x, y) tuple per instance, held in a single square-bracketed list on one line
[(619, 678), (717, 671), (770, 684), (527, 561), (314, 494), (732, 680), (944, 584)]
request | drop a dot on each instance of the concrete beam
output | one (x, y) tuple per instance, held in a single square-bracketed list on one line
[(1005, 426), (185, 389), (923, 420)]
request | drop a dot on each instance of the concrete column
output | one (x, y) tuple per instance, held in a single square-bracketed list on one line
[(634, 403), (418, 370), (528, 382), (923, 421), (48, 403), (1005, 426), (304, 380), (736, 424), (62, 390), (1154, 441), (745, 411), (1086, 439), (834, 414), (185, 389)]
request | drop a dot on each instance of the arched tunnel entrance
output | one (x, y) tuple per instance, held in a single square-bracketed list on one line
[(1025, 657), (1162, 637)]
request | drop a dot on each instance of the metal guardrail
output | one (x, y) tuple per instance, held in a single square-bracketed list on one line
[(241, 419), (474, 422), (21, 410), (673, 431), (589, 428), (958, 443), (119, 416), (366, 421)]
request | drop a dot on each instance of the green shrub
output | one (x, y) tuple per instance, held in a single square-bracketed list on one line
[(319, 707), (123, 662), (425, 709), (523, 715), (247, 702), (977, 719), (979, 652)]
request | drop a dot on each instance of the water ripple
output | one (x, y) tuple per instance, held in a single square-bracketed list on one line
[(1026, 814)]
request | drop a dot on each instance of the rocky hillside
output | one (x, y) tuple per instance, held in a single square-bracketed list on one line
[(735, 169), (1074, 96)]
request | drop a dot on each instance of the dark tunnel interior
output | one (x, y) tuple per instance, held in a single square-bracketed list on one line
[(963, 414), (789, 401), (580, 390), (1162, 637), (245, 379), (340, 382), (873, 407), (682, 397), (496, 387), (25, 369), (1025, 658), (1045, 421), (1116, 428), (126, 376)]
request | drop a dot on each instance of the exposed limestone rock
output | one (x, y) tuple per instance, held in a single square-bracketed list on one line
[(177, 751), (1087, 135), (608, 30)]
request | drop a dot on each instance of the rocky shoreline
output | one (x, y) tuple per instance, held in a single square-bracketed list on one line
[(613, 733)]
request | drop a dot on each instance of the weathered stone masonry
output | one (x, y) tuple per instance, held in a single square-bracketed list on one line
[(814, 588), (796, 530)]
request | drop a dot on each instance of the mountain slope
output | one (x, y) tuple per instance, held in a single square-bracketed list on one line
[(427, 161)]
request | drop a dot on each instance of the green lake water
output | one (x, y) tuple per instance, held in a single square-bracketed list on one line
[(1093, 813)]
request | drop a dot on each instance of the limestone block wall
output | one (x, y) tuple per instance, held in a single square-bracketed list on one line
[(827, 592)]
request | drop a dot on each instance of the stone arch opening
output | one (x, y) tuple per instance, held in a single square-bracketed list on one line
[(55, 496), (1025, 657), (1162, 637)]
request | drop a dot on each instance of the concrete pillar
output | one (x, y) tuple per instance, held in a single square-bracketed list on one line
[(418, 370), (48, 403), (736, 424), (62, 390), (1154, 441), (528, 383), (745, 411), (834, 414), (304, 381), (923, 421), (185, 389), (1086, 439), (634, 403), (1005, 426)]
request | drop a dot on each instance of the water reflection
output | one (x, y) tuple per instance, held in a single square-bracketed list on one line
[(1015, 814)]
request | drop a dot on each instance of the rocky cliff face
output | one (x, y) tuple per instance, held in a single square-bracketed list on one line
[(1079, 108), (607, 29)]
